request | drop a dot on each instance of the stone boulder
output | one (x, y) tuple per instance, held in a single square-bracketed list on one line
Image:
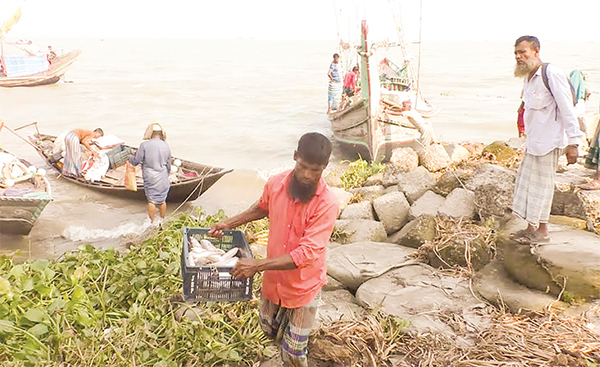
[(368, 192), (362, 210), (392, 210), (358, 230), (404, 159), (494, 188), (415, 183), (452, 179), (465, 250), (459, 204), (332, 284), (495, 285), (353, 264), (434, 157), (500, 151), (571, 201), (343, 197), (457, 153), (428, 204), (571, 260), (338, 305), (418, 294), (374, 180), (517, 143), (416, 232)]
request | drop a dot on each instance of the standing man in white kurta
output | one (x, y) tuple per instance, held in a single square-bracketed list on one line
[(551, 126)]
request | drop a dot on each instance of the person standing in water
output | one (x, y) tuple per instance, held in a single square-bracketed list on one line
[(155, 157)]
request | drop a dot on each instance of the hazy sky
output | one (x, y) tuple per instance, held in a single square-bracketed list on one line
[(502, 20)]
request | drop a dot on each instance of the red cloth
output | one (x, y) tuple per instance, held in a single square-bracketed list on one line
[(301, 230), (350, 80), (521, 122)]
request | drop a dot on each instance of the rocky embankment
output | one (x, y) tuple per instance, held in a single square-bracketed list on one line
[(429, 236)]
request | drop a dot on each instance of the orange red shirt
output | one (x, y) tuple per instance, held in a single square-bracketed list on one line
[(301, 230)]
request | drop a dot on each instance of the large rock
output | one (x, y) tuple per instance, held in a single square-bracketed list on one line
[(332, 284), (494, 188), (429, 204), (392, 210), (368, 192), (500, 151), (416, 232), (353, 264), (452, 179), (434, 157), (343, 197), (404, 159), (374, 180), (475, 148), (571, 201), (338, 305), (571, 260), (418, 294), (457, 153), (357, 230), (362, 210), (415, 183), (495, 285), (459, 204)]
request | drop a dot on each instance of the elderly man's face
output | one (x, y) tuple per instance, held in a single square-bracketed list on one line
[(526, 57)]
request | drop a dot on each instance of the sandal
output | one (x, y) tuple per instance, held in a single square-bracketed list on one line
[(532, 239), (518, 234), (594, 185)]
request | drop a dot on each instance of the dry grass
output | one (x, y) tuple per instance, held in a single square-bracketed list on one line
[(527, 339)]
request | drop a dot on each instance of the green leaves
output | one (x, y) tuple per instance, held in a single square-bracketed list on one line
[(105, 307)]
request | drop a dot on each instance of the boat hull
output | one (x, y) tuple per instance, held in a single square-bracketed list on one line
[(351, 131), (18, 215), (58, 68)]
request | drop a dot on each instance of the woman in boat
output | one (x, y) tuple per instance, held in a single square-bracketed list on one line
[(73, 141), (155, 157)]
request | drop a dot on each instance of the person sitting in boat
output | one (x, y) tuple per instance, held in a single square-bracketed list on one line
[(424, 127), (155, 157), (73, 154), (51, 54), (335, 83), (349, 86)]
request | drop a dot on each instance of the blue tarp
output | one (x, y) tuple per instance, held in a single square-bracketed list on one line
[(17, 66)]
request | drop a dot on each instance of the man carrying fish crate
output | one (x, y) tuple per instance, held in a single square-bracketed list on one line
[(302, 211)]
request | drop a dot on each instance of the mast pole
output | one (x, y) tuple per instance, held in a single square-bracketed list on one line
[(419, 64)]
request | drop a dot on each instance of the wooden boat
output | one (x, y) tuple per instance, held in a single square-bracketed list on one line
[(58, 68), (20, 209), (372, 125), (192, 180)]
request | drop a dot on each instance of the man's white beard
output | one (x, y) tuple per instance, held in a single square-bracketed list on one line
[(524, 68)]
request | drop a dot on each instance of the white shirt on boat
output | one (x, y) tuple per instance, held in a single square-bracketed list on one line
[(550, 122)]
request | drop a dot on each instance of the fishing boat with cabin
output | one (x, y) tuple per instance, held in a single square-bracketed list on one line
[(372, 123), (22, 64)]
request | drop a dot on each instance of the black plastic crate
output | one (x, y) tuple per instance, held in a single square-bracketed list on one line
[(210, 283), (118, 156)]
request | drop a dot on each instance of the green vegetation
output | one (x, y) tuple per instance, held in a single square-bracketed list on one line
[(99, 308), (359, 171)]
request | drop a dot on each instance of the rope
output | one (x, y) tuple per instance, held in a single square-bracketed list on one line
[(200, 184)]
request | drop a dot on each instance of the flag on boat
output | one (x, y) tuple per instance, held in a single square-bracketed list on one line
[(10, 22)]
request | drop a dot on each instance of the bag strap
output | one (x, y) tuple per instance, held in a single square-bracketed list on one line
[(547, 84)]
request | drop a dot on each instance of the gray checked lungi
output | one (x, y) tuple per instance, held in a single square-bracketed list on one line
[(534, 187)]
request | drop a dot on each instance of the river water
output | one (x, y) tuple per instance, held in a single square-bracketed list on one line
[(241, 104)]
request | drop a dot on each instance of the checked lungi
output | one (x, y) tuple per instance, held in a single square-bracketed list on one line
[(534, 187), (334, 93), (72, 161), (290, 327)]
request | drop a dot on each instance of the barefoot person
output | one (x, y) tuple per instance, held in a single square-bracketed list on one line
[(302, 210), (550, 126), (335, 83), (73, 141), (154, 155)]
